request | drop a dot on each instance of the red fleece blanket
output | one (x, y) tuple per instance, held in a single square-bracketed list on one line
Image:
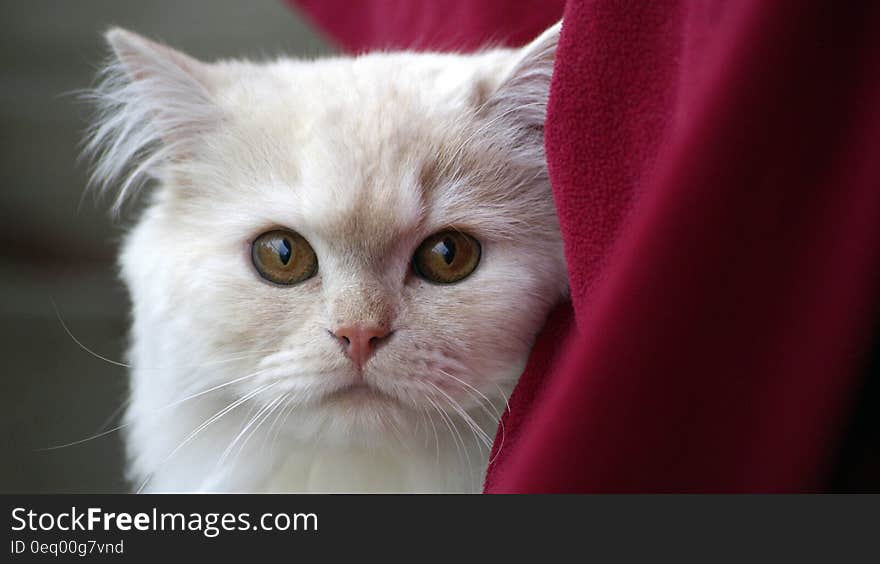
[(716, 168)]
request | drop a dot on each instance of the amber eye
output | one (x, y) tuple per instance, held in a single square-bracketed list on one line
[(284, 257), (447, 257)]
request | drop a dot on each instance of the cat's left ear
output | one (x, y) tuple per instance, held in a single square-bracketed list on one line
[(525, 88)]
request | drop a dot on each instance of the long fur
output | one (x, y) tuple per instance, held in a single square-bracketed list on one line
[(140, 125)]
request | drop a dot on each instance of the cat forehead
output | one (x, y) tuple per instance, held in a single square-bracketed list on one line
[(376, 78), (375, 100), (353, 145)]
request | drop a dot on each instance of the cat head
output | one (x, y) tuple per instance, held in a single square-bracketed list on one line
[(368, 238)]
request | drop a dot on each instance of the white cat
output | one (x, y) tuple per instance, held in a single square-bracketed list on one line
[(342, 265)]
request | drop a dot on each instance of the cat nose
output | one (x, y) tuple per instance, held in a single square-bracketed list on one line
[(360, 342)]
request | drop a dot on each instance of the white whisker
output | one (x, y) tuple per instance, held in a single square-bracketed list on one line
[(259, 416), (203, 426), (453, 431), (497, 416), (156, 412)]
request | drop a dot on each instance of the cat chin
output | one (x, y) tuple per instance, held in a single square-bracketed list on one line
[(358, 394), (358, 416)]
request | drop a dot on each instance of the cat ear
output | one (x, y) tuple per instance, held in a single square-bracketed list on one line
[(153, 104), (524, 90), (144, 59)]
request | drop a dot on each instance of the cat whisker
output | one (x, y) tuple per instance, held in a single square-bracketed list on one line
[(494, 413), (453, 431), (423, 426), (395, 429), (202, 427), (85, 440), (474, 428), (156, 412), (278, 409), (497, 418), (425, 417), (112, 417), (429, 419), (82, 346), (259, 416), (285, 406), (479, 435), (266, 413)]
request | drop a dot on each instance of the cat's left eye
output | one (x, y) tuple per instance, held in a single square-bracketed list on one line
[(284, 257), (447, 257)]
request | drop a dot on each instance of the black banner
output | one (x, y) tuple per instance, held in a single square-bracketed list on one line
[(131, 528)]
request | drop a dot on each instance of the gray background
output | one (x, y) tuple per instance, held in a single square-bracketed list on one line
[(56, 245)]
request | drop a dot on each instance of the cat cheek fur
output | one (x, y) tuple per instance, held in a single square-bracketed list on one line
[(238, 384)]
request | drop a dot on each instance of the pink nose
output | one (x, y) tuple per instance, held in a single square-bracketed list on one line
[(360, 342)]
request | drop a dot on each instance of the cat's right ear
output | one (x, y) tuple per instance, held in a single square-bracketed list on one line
[(153, 104), (143, 59)]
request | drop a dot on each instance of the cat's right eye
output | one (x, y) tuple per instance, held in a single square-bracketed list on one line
[(284, 257)]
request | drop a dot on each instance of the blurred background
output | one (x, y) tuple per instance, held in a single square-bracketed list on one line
[(58, 246)]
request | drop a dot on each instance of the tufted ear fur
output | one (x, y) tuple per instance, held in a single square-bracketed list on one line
[(524, 90), (153, 104)]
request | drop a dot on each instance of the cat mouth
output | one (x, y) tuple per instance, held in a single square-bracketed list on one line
[(360, 392)]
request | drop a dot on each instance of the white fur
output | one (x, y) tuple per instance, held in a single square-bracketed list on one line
[(236, 384)]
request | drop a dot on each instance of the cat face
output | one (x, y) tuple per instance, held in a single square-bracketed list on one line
[(354, 242)]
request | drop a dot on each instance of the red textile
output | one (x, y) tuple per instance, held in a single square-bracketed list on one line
[(716, 168)]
